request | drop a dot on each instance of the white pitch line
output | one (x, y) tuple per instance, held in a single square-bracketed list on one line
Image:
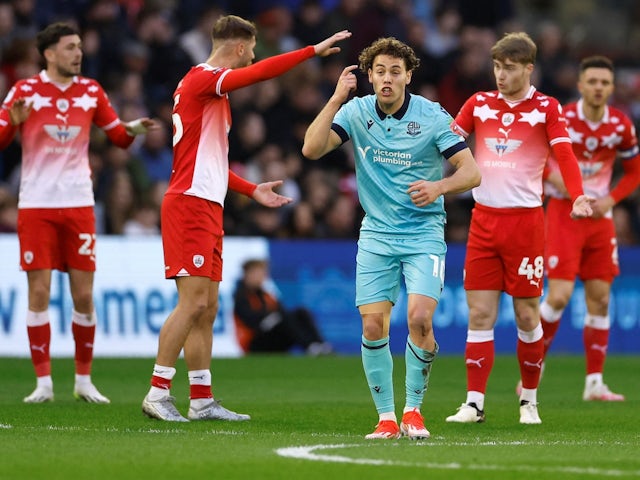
[(309, 453), (71, 428)]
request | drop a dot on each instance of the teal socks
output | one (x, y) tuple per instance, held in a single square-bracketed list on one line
[(418, 363), (378, 369)]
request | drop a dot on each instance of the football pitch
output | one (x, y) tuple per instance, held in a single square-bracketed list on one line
[(309, 418)]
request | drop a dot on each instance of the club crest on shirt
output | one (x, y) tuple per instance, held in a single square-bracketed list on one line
[(508, 118), (413, 129), (198, 260), (62, 104), (591, 143)]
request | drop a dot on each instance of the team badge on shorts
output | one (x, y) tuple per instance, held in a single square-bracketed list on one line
[(198, 260), (553, 261), (28, 257)]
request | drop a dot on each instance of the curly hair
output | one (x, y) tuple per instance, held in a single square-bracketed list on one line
[(388, 46)]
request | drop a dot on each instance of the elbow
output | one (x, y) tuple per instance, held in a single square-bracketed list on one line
[(309, 152), (477, 179)]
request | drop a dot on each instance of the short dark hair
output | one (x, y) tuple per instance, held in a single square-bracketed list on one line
[(388, 46), (52, 34), (254, 262), (596, 61), (515, 46), (231, 27)]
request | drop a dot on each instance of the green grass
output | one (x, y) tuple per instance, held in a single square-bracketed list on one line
[(312, 402)]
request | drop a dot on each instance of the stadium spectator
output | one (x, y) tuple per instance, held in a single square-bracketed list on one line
[(588, 249), (398, 196), (196, 42), (263, 324), (155, 154), (53, 111), (192, 209), (114, 53), (505, 249)]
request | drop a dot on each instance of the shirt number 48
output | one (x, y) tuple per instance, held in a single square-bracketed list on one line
[(532, 270)]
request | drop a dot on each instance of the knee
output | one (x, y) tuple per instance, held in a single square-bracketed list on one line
[(83, 301), (557, 300), (373, 326), (600, 303), (39, 297), (481, 318), (420, 320)]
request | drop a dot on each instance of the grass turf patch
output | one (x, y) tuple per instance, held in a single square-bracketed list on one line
[(309, 418)]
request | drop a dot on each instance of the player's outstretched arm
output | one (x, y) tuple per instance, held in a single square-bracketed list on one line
[(264, 195), (327, 47), (272, 67)]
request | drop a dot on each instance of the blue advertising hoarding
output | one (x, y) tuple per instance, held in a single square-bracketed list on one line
[(321, 276)]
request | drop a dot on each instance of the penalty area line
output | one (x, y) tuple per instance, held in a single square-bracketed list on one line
[(317, 453)]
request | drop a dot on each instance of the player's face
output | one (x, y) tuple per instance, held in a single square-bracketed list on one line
[(389, 77), (66, 56), (596, 86), (512, 79)]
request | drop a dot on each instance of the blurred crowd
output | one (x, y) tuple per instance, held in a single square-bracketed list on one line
[(139, 49)]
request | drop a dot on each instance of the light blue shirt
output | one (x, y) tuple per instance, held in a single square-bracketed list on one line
[(393, 151)]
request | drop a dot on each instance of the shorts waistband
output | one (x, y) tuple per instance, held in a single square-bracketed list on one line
[(507, 211)]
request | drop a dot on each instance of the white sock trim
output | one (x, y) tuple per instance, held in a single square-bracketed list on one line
[(479, 336), (37, 319), (388, 416), (84, 319), (532, 336), (164, 372), (199, 377), (597, 321), (549, 313), (477, 398), (530, 395)]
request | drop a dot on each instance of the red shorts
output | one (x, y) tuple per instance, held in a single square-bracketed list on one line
[(57, 238), (505, 251), (586, 248), (191, 237)]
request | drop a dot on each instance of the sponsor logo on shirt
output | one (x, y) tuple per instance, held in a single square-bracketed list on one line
[(502, 145), (386, 156)]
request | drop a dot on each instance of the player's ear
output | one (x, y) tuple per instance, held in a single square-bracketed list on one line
[(240, 48), (409, 74), (49, 55)]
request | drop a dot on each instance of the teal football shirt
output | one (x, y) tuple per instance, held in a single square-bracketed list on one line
[(391, 151)]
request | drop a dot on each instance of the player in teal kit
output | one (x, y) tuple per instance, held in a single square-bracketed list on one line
[(400, 141)]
